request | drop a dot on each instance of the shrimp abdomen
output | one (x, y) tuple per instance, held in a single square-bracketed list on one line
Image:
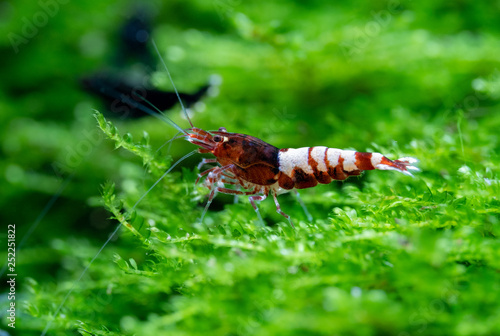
[(306, 167)]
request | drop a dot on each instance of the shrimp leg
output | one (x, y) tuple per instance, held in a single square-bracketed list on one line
[(299, 199), (278, 210)]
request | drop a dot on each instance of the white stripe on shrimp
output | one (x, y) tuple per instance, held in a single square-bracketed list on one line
[(318, 154), (294, 158)]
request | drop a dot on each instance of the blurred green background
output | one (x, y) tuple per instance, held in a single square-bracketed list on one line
[(406, 78)]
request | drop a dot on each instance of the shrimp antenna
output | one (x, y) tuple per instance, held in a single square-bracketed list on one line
[(163, 116), (157, 114), (164, 174), (172, 81), (169, 142)]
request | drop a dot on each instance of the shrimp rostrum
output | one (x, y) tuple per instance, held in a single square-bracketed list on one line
[(258, 169)]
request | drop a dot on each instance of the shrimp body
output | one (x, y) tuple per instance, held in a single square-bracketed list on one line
[(262, 169)]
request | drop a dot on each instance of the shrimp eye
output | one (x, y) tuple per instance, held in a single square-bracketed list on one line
[(217, 138)]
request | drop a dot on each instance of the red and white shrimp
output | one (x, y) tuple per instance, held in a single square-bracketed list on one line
[(261, 169)]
